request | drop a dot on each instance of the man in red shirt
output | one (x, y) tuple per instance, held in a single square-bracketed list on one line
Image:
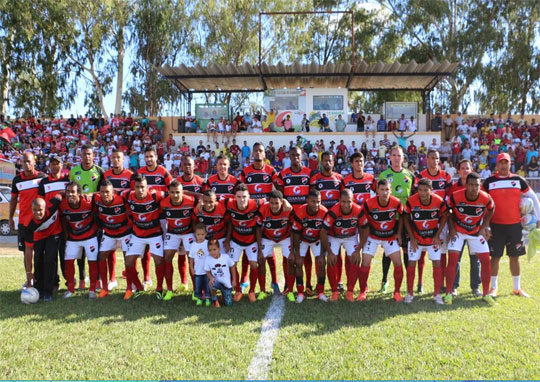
[(506, 189), (191, 184), (213, 214), (222, 183), (359, 182)]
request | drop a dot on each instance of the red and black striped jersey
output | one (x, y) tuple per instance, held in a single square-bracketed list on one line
[(360, 187), (224, 188), (214, 220), (50, 187), (455, 186), (506, 193), (329, 187), (179, 217), (469, 214), (36, 230), (309, 226), (80, 221), (244, 222), (425, 219), (341, 225), (441, 182), (260, 182), (382, 220), (158, 180), (25, 190), (194, 185), (295, 184), (120, 182), (113, 218), (145, 213), (275, 227)]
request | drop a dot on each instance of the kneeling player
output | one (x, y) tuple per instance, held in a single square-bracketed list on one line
[(425, 219), (306, 228), (385, 230), (471, 212)]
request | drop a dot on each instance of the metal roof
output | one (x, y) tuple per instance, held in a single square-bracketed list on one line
[(363, 76)]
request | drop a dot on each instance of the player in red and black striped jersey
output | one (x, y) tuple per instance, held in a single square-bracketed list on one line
[(119, 176), (213, 215), (144, 209), (359, 182), (80, 224), (506, 189), (293, 182), (307, 223), (441, 182), (425, 219), (471, 212), (340, 228), (273, 228), (192, 184), (222, 183), (241, 234), (113, 218), (384, 229), (259, 177), (42, 238), (177, 210)]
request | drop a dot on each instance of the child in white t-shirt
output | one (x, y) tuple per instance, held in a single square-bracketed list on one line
[(219, 270), (197, 255)]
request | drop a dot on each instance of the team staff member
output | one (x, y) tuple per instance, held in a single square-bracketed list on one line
[(506, 190), (401, 182), (471, 211), (42, 237)]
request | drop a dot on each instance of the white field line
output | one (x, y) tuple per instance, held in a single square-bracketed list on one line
[(260, 363)]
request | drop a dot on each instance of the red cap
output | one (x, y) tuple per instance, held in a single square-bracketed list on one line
[(503, 156)]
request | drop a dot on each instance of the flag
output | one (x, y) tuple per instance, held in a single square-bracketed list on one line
[(7, 134)]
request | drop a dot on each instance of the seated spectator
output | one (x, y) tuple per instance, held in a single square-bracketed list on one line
[(532, 168), (324, 123)]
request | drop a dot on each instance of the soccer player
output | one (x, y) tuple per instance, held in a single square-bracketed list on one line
[(425, 218), (145, 213), (192, 184), (307, 223), (401, 182), (340, 228), (42, 238), (222, 183), (465, 168), (471, 212), (273, 229), (385, 230), (158, 179), (241, 235), (213, 215), (359, 182), (177, 210), (112, 217), (441, 183), (79, 222), (293, 182), (506, 190)]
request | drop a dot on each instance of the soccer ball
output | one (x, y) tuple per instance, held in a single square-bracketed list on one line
[(528, 222), (526, 206), (29, 295)]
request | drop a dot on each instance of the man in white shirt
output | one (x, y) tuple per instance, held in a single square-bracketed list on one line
[(411, 125)]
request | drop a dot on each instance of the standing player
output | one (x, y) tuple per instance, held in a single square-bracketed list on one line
[(213, 215), (471, 212), (144, 209), (79, 222), (120, 179), (158, 179), (385, 230), (425, 218), (222, 183), (340, 228), (401, 182), (307, 223), (506, 190), (112, 217), (359, 182), (293, 182), (273, 229), (441, 183), (192, 184), (241, 237), (177, 210)]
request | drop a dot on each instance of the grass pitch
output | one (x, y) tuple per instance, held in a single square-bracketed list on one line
[(379, 339)]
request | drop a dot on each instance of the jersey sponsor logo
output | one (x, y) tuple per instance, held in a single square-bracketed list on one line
[(384, 225), (296, 190), (178, 222), (425, 224), (110, 219), (243, 223), (258, 188)]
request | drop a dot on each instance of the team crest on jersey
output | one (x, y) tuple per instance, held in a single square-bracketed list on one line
[(158, 180), (478, 210), (158, 245), (190, 240), (392, 214), (84, 216), (441, 184), (318, 223), (434, 214), (406, 180), (94, 178), (230, 189), (336, 184), (148, 207), (266, 178), (186, 212), (117, 210), (92, 248), (250, 215), (284, 222), (482, 241), (305, 180), (124, 184), (216, 221), (513, 184)]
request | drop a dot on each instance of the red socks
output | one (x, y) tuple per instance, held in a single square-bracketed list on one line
[(70, 274), (363, 275), (308, 265), (146, 265), (182, 268), (262, 280), (290, 282), (111, 260), (160, 274), (253, 276), (332, 272), (485, 271), (93, 270), (339, 268), (245, 268), (410, 278), (238, 287), (169, 270), (453, 258), (352, 271), (271, 261), (421, 266), (437, 280), (133, 278), (102, 265), (398, 277)]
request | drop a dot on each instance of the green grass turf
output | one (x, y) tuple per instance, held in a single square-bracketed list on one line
[(378, 339)]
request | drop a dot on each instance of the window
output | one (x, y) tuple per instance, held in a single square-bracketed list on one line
[(328, 102)]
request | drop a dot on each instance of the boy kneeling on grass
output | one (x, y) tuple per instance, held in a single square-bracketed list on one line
[(219, 270)]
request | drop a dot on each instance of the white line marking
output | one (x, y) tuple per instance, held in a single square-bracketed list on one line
[(260, 363)]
